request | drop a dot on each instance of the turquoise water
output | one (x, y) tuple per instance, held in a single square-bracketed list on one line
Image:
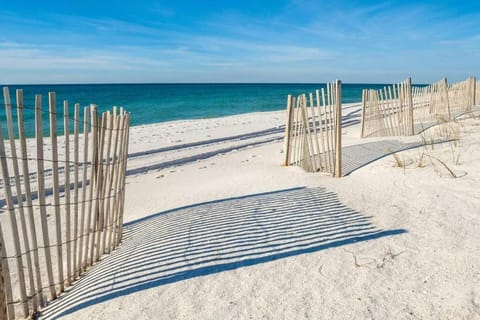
[(151, 103)]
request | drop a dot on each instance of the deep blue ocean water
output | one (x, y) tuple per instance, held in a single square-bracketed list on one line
[(151, 103)]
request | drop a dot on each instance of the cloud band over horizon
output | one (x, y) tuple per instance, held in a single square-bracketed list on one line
[(244, 41)]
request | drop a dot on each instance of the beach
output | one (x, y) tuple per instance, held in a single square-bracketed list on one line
[(216, 228), (239, 160)]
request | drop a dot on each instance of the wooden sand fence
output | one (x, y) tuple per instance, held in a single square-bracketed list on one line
[(403, 109), (431, 103), (388, 111), (313, 130), (62, 197), (462, 96)]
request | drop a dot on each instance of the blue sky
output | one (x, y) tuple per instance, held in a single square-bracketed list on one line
[(238, 41)]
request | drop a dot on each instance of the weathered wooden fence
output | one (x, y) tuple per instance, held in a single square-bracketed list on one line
[(476, 89), (403, 109), (313, 130), (430, 103), (61, 217), (387, 112), (462, 96)]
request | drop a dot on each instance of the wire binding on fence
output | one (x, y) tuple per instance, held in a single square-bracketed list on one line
[(60, 219)]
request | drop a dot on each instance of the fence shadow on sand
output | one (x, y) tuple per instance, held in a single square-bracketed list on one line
[(218, 236)]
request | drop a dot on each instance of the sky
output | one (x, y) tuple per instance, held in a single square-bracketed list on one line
[(306, 41)]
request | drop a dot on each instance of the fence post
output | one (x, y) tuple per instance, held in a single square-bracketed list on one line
[(364, 109), (286, 145), (410, 106), (338, 130)]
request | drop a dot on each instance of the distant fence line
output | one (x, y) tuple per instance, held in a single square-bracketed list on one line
[(387, 111), (430, 103), (313, 130), (402, 109), (48, 240), (313, 123), (476, 88)]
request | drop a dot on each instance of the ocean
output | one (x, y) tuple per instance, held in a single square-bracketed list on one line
[(152, 103)]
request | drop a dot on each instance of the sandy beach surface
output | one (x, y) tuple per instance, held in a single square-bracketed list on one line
[(216, 228)]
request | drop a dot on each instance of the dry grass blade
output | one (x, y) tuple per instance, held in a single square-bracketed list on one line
[(450, 171)]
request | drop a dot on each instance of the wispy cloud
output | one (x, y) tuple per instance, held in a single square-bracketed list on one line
[(261, 40)]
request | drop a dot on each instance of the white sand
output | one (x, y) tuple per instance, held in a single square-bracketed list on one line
[(296, 254)]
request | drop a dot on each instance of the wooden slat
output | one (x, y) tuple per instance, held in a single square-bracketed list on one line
[(364, 106), (410, 107), (317, 154), (115, 166), (3, 298), (12, 215), (327, 131), (100, 184), (445, 92), (303, 142), (68, 222), (117, 183), (89, 247), (399, 110), (321, 133), (107, 183), (7, 282), (331, 122), (292, 129), (28, 196), (56, 187), (41, 194), (296, 145), (84, 228), (288, 128), (110, 210), (76, 234), (123, 175), (98, 213), (474, 94), (338, 130)]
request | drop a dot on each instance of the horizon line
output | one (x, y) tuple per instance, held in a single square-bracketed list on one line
[(192, 83)]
